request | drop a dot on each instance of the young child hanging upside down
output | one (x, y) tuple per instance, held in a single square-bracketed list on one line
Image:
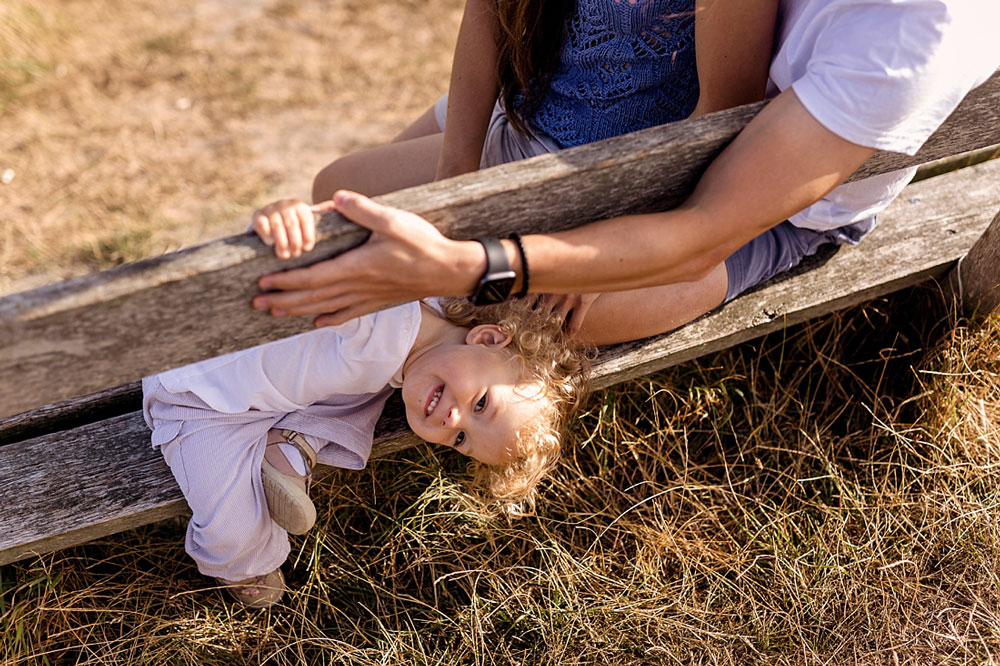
[(242, 432)]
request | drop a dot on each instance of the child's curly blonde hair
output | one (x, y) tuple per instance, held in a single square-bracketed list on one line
[(549, 360)]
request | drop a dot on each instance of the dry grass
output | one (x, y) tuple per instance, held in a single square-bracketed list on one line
[(827, 495), (133, 128)]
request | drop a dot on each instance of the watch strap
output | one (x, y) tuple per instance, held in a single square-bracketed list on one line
[(524, 265), (498, 279), (496, 256)]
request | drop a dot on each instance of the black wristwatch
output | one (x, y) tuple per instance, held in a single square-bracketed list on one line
[(498, 280)]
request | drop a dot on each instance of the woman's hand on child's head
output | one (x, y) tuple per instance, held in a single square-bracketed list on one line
[(289, 225)]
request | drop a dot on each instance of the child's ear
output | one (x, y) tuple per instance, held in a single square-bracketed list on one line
[(489, 335)]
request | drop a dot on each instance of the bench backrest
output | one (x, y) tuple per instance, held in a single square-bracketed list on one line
[(103, 331)]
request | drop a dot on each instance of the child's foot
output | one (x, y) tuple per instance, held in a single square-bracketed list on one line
[(287, 489), (259, 591)]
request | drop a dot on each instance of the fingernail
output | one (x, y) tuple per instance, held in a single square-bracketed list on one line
[(278, 313), (258, 304), (341, 198)]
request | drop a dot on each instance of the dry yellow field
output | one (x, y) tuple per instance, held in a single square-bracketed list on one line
[(827, 495), (130, 128)]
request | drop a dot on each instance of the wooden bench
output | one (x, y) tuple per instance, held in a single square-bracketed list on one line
[(75, 468)]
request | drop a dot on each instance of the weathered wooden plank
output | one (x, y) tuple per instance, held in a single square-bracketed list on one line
[(977, 277), (921, 236), (71, 413), (116, 326), (71, 487), (956, 162), (926, 230)]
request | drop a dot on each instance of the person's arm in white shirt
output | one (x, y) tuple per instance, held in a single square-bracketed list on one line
[(781, 162)]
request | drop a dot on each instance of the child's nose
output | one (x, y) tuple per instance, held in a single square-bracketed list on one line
[(451, 417)]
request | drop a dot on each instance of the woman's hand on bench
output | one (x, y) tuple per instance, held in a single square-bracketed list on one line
[(405, 259)]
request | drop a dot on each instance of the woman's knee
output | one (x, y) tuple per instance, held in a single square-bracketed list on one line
[(382, 169), (334, 176)]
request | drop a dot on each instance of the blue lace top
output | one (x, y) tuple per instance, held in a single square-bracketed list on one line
[(624, 65)]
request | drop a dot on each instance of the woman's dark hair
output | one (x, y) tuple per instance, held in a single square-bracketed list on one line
[(529, 35)]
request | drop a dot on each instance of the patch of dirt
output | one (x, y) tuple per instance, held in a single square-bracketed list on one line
[(132, 128)]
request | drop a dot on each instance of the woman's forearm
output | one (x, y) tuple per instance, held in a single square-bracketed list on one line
[(472, 92), (782, 162)]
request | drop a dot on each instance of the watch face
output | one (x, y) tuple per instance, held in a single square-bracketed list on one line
[(495, 290)]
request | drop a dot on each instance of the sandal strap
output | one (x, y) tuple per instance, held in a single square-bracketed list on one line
[(299, 442)]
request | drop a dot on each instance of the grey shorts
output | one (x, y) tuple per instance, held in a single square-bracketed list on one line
[(773, 252), (782, 248)]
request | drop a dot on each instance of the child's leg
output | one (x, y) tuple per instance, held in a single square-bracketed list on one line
[(411, 159), (218, 466)]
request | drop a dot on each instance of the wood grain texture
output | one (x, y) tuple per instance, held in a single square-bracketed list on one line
[(105, 478), (109, 478), (980, 273), (113, 327), (920, 236), (71, 413)]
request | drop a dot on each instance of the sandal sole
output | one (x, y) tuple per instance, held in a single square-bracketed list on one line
[(287, 502)]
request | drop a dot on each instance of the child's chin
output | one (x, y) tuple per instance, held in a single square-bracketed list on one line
[(415, 429)]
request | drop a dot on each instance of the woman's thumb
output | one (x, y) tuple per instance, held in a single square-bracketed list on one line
[(361, 210)]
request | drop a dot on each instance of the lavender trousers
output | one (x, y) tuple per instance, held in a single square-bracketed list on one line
[(216, 459)]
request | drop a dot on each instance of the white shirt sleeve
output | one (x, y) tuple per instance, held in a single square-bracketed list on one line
[(887, 74), (287, 375), (883, 74)]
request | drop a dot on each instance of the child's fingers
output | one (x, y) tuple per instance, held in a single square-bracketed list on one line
[(262, 226), (279, 235), (323, 206), (293, 231), (307, 225)]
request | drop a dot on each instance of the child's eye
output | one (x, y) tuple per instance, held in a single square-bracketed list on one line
[(481, 405), (459, 438)]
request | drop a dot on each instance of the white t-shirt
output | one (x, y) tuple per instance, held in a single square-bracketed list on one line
[(354, 358), (883, 74), (329, 384)]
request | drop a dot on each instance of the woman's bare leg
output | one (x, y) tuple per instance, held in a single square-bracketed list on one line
[(426, 124), (383, 169), (629, 315), (411, 159)]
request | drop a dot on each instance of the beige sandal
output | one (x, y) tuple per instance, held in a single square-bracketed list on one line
[(257, 592), (287, 492)]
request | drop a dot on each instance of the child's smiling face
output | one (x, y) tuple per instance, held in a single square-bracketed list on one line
[(469, 396)]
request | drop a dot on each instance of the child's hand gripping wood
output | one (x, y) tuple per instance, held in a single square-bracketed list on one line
[(289, 225)]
